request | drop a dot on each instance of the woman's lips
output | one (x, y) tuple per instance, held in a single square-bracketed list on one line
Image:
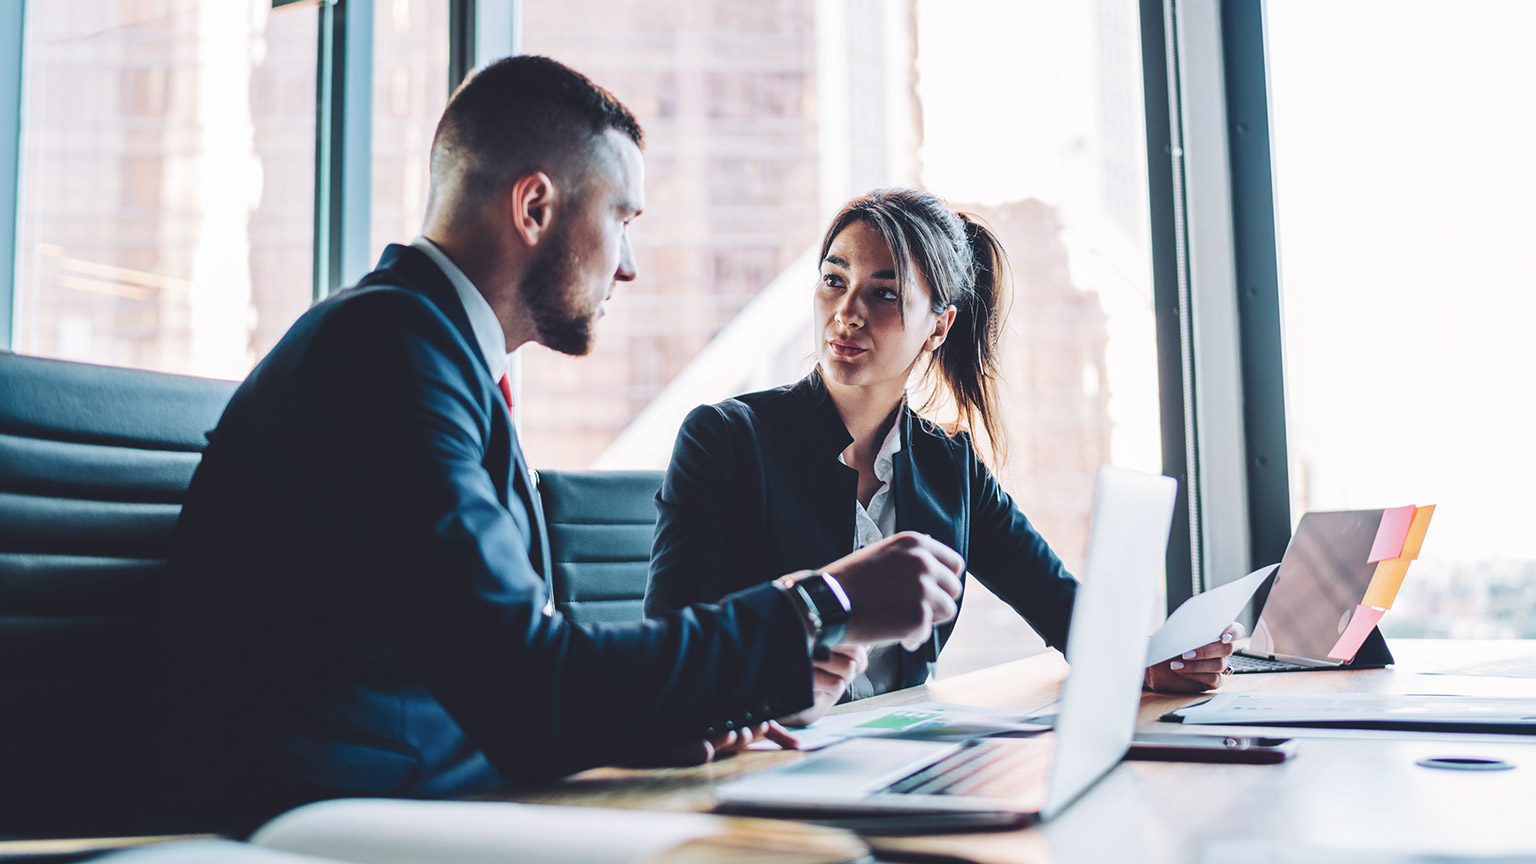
[(845, 349)]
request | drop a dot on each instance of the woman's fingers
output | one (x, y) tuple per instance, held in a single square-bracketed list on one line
[(1212, 666)]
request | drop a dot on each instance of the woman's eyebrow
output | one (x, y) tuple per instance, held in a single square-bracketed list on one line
[(878, 274)]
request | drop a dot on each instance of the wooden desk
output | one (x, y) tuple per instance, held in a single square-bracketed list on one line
[(1343, 789)]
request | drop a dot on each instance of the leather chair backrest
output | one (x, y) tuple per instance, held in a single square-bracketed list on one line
[(600, 527), (94, 463)]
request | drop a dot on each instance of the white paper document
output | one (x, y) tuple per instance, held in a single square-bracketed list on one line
[(1365, 710), (1200, 619), (931, 720)]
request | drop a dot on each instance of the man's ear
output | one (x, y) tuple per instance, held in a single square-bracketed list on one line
[(940, 329), (532, 202)]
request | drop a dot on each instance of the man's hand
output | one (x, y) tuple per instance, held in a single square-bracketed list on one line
[(899, 588), (712, 749), (1198, 670), (832, 677)]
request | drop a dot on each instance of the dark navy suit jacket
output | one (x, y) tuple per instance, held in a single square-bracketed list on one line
[(357, 587), (756, 480)]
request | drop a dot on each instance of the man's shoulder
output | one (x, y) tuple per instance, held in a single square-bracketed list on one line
[(383, 309)]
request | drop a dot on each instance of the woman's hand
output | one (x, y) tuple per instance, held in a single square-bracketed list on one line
[(1198, 670), (832, 677)]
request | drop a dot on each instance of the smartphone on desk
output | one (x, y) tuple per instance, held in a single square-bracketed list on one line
[(1248, 749)]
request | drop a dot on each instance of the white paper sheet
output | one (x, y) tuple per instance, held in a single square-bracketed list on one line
[(1200, 619), (1375, 709), (384, 831)]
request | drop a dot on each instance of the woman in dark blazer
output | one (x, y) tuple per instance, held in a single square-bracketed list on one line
[(780, 480)]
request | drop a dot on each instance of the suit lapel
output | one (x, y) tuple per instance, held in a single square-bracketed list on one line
[(922, 505), (832, 486), (410, 268), (525, 485)]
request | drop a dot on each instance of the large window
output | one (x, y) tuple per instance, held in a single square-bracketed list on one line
[(169, 197), (764, 117), (1404, 180), (410, 88), (167, 181)]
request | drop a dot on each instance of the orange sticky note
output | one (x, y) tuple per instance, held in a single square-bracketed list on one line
[(1385, 582), (1415, 539), (1392, 533), (1360, 626)]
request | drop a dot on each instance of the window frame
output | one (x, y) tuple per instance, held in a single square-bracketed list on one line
[(13, 19), (1216, 288)]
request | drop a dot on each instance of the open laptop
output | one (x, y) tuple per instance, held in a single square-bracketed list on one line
[(1029, 777), (1324, 573)]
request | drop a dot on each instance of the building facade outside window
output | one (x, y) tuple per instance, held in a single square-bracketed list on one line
[(167, 182), (763, 118)]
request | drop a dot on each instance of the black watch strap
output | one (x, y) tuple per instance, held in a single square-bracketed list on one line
[(828, 605)]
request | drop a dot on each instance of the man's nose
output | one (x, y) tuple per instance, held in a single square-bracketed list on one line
[(627, 270)]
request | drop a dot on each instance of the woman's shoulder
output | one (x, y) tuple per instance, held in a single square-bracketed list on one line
[(762, 407), (926, 437)]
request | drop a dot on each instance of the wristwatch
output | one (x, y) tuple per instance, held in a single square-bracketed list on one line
[(823, 606)]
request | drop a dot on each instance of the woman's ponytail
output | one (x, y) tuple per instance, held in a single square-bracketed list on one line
[(967, 364)]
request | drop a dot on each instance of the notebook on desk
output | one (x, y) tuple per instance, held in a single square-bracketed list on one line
[(1030, 777)]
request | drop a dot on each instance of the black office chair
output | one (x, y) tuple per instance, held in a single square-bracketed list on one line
[(94, 462), (600, 527)]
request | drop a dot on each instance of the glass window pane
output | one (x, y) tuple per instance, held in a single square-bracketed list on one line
[(1404, 183), (168, 182), (763, 118), (410, 88)]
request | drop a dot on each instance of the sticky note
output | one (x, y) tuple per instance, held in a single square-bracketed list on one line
[(1392, 533), (1385, 582), (1360, 626), (1415, 539)]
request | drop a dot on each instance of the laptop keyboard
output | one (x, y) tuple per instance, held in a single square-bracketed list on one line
[(1244, 663), (990, 768)]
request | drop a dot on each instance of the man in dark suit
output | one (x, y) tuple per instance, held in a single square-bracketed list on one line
[(358, 601)]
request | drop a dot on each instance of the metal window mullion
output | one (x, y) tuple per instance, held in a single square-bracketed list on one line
[(1165, 182), (1256, 261), (12, 80), (343, 144)]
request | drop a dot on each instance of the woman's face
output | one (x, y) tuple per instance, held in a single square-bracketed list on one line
[(859, 310)]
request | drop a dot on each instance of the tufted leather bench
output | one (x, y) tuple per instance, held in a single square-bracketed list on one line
[(94, 461)]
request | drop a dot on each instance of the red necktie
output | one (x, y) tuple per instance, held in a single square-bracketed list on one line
[(506, 389)]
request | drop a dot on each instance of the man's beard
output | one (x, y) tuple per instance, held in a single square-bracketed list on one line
[(552, 296)]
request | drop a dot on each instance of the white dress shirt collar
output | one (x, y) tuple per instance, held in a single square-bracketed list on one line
[(489, 336), (878, 520)]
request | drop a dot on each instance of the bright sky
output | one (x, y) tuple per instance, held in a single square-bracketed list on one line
[(1405, 133), (1405, 155)]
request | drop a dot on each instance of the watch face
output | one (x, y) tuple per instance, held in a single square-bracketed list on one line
[(831, 603)]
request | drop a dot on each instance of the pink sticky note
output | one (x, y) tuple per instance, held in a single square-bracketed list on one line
[(1392, 533), (1360, 625)]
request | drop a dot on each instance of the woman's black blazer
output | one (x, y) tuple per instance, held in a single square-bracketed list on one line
[(755, 490)]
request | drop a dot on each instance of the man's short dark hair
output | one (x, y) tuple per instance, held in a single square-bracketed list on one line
[(522, 114)]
